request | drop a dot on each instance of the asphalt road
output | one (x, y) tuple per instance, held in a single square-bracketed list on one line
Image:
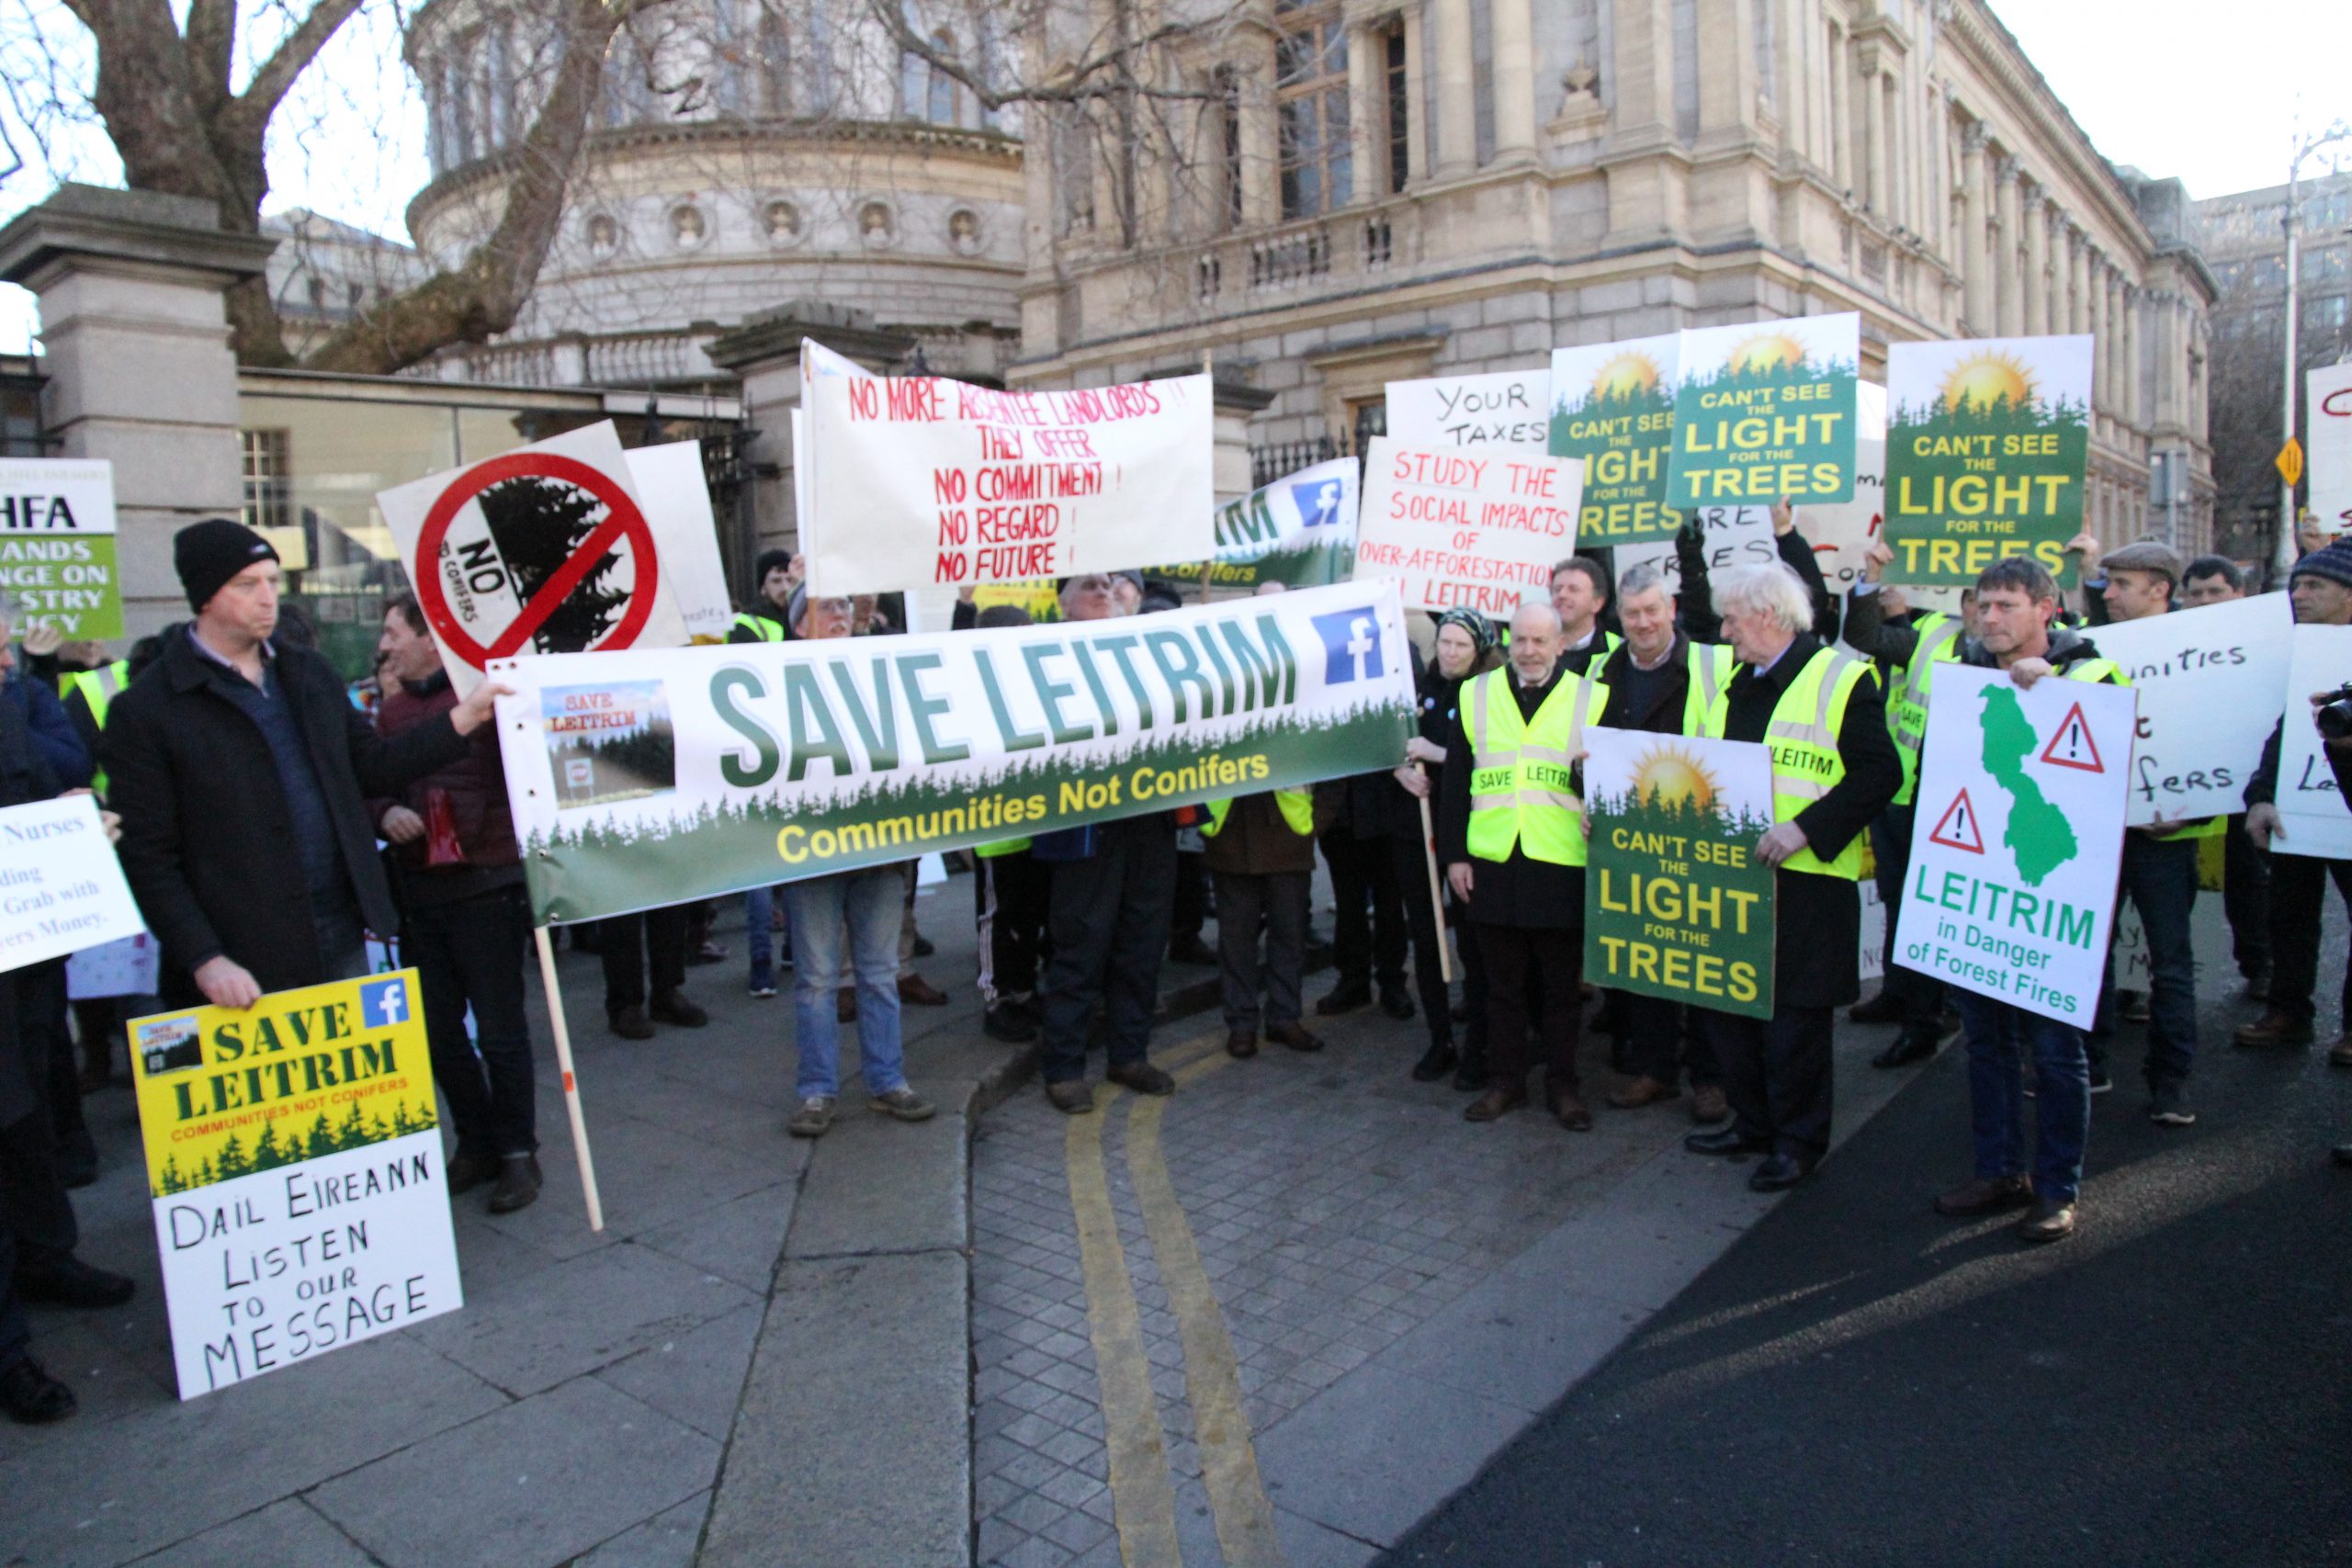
[(1861, 1382)]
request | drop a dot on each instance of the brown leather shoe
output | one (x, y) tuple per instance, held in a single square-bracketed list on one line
[(1495, 1104), (1294, 1036), (1643, 1090), (1142, 1077), (2272, 1030), (923, 993), (1707, 1105), (2340, 1054), (1241, 1043), (1573, 1112), (1985, 1195), (2051, 1221), (1074, 1097)]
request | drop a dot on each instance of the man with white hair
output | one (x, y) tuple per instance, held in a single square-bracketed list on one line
[(1662, 683), (1510, 831), (1823, 717)]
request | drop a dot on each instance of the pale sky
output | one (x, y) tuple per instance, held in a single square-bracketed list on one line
[(2210, 93)]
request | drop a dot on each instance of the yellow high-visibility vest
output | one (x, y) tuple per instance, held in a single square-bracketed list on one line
[(1802, 735), (98, 687), (1520, 790), (1297, 806), (1906, 695), (762, 627)]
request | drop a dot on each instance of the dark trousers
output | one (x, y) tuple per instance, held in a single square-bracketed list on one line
[(626, 942), (1011, 895), (1777, 1076), (1474, 977), (470, 951), (1368, 939), (40, 1002), (2246, 898), (1553, 962), (1191, 910), (1109, 924), (1922, 996), (1408, 865), (33, 1204), (1278, 899), (1663, 1041), (2004, 1042), (2298, 904), (2160, 878)]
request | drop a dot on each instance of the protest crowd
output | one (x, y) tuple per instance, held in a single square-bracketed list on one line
[(272, 823)]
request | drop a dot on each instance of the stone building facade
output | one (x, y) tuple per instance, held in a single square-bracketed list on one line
[(745, 153), (2244, 238), (1359, 191)]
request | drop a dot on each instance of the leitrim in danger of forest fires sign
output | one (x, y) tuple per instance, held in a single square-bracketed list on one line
[(2019, 838), (686, 773), (294, 1160)]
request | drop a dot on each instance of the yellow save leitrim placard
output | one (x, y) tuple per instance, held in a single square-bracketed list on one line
[(294, 1162)]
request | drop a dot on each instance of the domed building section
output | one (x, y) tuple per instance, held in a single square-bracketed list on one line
[(744, 153)]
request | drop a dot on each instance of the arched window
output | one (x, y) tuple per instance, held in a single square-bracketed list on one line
[(773, 45), (939, 106)]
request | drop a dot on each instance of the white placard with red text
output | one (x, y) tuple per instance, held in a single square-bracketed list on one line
[(2329, 419), (922, 481), (1481, 529)]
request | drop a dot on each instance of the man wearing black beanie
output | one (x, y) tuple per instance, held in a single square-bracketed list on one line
[(767, 618), (241, 773)]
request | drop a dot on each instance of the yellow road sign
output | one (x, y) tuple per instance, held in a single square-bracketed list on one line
[(2291, 460)]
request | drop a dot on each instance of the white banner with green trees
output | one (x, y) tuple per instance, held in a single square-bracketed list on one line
[(655, 777)]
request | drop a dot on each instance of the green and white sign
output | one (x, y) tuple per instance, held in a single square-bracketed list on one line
[(655, 776), (1612, 405), (1676, 904), (1299, 531), (1987, 445), (2019, 838), (1765, 410), (57, 546)]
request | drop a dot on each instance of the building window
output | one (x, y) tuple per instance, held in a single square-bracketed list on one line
[(2324, 317), (2321, 267), (268, 496), (1311, 107), (1400, 112)]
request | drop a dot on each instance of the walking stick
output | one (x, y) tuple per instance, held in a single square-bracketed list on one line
[(570, 1084), (1436, 890)]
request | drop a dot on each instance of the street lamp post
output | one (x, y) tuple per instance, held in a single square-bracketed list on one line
[(2282, 555)]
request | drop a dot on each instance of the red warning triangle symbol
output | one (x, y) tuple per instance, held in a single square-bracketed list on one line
[(1957, 830), (2072, 747)]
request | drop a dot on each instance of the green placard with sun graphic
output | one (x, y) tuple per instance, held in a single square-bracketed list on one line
[(1765, 410), (1612, 406), (1676, 904), (1987, 445)]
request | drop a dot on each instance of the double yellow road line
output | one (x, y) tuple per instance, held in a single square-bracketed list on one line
[(1143, 1491)]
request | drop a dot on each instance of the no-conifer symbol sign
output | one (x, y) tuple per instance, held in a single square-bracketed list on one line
[(541, 550)]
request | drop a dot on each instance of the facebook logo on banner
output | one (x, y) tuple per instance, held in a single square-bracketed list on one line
[(1318, 503), (383, 1003), (1350, 647)]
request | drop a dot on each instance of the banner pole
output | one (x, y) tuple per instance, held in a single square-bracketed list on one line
[(570, 1084), (1437, 889)]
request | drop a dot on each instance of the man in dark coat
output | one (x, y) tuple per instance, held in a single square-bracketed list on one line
[(242, 774), (1777, 1072)]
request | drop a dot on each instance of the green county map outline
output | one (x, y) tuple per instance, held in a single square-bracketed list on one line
[(2037, 832)]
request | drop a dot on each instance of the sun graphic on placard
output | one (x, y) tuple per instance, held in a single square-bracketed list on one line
[(1984, 382), (1627, 375), (1767, 351), (1671, 776)]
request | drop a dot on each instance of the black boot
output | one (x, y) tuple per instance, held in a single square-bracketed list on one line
[(1435, 1063)]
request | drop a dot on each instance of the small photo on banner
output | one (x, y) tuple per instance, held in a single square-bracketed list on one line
[(1299, 531), (1676, 903), (1766, 409), (1612, 408), (1988, 441)]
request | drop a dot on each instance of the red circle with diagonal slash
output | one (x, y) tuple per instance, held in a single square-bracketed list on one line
[(623, 522)]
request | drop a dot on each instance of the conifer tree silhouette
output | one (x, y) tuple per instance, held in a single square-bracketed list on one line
[(539, 524)]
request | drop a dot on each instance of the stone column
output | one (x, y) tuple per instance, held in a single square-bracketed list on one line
[(1260, 186), (2134, 414), (1841, 116), (1367, 152), (2036, 261), (2011, 306), (2102, 363), (1512, 27), (1976, 257), (1457, 111), (764, 352), (137, 364), (2078, 314), (1728, 86), (1875, 150)]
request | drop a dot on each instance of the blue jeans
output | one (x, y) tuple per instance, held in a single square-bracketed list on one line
[(2160, 878), (759, 923), (1998, 1035), (842, 924)]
